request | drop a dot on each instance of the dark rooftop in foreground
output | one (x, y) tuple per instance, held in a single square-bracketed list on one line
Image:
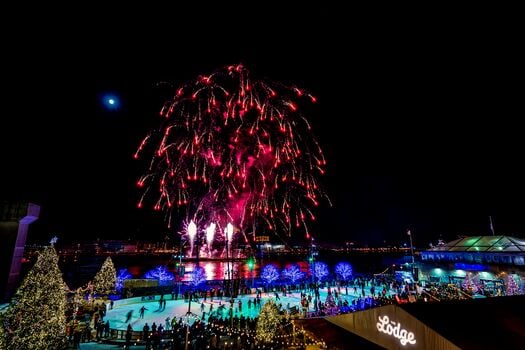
[(491, 323)]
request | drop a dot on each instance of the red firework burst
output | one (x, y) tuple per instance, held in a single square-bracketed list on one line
[(233, 149)]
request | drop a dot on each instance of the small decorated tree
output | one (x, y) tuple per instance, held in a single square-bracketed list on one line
[(469, 284), (293, 273), (122, 275), (268, 323), (270, 274), (35, 318), (198, 276), (159, 273), (344, 271), (511, 287), (319, 270), (105, 280)]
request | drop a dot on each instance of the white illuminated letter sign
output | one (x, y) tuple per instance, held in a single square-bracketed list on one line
[(394, 329)]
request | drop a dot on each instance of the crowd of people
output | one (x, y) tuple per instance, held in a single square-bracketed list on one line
[(226, 324)]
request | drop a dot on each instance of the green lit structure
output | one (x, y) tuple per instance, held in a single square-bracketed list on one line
[(488, 260)]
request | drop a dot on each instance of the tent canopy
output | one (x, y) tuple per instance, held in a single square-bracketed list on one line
[(483, 244)]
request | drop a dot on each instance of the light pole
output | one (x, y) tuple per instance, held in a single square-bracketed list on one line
[(251, 265), (229, 236), (188, 323), (312, 260), (180, 269), (188, 314), (411, 252)]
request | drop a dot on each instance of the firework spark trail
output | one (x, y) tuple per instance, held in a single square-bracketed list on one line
[(210, 233), (192, 232), (233, 149)]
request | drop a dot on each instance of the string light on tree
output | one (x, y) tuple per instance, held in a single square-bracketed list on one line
[(270, 274), (198, 276), (105, 280), (122, 275), (511, 287), (35, 318), (470, 284), (344, 271), (268, 322), (293, 273), (320, 270), (3, 344), (160, 273)]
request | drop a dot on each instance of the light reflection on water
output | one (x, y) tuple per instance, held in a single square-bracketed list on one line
[(79, 272), (216, 270)]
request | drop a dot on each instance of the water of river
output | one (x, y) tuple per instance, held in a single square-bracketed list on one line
[(78, 271)]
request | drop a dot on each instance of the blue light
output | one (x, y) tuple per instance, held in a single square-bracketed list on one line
[(122, 275), (471, 267), (111, 102), (270, 273), (160, 273), (344, 270), (320, 270)]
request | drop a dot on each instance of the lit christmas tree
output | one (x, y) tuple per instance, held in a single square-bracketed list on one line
[(36, 319), (511, 286), (106, 279), (268, 323), (3, 344)]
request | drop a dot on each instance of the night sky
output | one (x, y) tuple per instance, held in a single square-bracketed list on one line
[(420, 127)]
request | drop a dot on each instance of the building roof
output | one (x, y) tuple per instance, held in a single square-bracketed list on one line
[(494, 244)]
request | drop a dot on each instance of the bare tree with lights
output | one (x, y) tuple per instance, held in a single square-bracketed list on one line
[(320, 271), (344, 271), (270, 274), (122, 275), (160, 273), (198, 276), (293, 273)]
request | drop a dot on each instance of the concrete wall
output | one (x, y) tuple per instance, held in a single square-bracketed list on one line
[(15, 219)]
